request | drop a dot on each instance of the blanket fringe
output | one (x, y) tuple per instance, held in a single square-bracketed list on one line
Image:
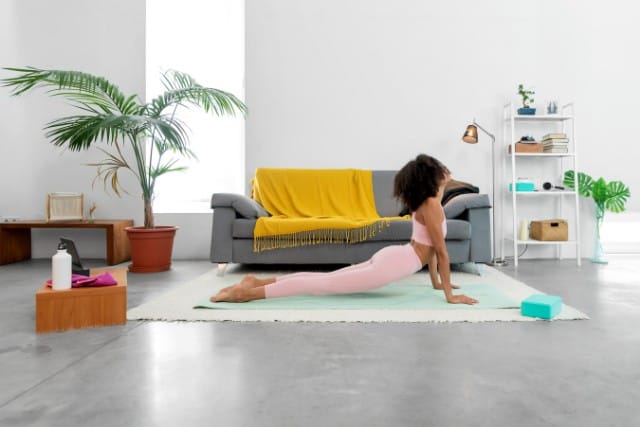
[(317, 237)]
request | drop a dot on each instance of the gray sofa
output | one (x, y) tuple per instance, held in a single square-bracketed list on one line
[(468, 236)]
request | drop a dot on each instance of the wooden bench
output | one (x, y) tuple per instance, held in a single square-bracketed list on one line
[(15, 238)]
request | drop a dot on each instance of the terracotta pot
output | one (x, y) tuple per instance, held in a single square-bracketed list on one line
[(151, 248)]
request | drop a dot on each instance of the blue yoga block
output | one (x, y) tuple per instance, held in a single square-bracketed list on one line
[(523, 186), (544, 306)]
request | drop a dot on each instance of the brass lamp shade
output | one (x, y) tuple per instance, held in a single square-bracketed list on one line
[(471, 135)]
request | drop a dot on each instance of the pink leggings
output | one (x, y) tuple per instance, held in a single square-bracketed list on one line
[(387, 265)]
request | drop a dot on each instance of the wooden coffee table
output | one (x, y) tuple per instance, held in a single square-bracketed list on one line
[(15, 238), (83, 307)]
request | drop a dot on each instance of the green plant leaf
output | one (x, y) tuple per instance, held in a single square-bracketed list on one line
[(183, 90), (600, 191), (585, 182), (80, 132), (617, 196), (166, 168), (82, 88)]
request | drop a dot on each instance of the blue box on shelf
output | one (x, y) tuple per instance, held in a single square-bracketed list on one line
[(543, 306), (523, 186), (526, 111)]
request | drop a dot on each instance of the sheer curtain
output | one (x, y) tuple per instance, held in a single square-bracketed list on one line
[(204, 39)]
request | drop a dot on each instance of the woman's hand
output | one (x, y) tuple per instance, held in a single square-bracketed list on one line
[(440, 287), (461, 299)]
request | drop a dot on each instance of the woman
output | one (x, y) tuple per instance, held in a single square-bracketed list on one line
[(420, 186)]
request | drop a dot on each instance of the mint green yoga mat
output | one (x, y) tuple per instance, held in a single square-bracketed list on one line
[(396, 296)]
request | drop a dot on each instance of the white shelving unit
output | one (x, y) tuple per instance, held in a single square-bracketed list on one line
[(514, 126)]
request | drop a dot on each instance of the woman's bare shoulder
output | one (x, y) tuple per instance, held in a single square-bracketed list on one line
[(430, 204), (430, 209)]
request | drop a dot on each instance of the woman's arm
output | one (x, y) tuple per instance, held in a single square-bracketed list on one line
[(432, 215), (433, 272)]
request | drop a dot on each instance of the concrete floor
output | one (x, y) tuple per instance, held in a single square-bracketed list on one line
[(569, 373)]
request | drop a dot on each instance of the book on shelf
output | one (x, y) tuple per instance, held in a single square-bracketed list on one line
[(556, 150), (563, 149), (554, 145), (555, 141), (554, 135)]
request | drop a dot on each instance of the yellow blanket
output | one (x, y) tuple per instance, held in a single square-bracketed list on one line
[(313, 206)]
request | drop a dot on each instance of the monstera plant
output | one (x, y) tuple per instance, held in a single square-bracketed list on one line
[(146, 139), (608, 196)]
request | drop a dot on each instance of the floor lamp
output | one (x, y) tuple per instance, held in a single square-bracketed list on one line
[(471, 137)]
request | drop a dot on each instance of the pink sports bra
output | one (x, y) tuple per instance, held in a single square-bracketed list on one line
[(420, 234)]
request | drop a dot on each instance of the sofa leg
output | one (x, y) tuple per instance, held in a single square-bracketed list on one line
[(221, 268)]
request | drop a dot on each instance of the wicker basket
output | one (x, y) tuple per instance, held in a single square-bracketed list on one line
[(65, 207), (550, 230)]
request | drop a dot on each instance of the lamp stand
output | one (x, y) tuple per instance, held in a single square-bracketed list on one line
[(494, 260)]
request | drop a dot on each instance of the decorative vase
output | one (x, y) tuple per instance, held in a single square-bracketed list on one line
[(598, 254), (526, 111), (151, 248)]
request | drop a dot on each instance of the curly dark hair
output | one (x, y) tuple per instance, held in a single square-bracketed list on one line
[(418, 180)]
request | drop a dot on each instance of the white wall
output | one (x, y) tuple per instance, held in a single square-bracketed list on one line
[(371, 83)]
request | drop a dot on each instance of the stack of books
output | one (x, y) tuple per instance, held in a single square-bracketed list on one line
[(555, 143)]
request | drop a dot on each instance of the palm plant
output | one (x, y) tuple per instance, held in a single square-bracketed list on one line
[(110, 118)]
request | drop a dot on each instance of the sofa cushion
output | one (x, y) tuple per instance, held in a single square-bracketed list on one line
[(458, 229), (399, 230), (386, 204)]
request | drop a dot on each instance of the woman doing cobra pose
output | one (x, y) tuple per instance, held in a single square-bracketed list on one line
[(420, 186)]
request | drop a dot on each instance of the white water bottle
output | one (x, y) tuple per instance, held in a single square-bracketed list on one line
[(61, 269)]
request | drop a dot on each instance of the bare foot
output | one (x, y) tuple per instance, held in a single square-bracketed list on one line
[(249, 281), (232, 294), (221, 293), (243, 291)]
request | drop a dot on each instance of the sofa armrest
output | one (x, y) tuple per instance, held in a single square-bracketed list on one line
[(457, 206), (474, 208), (244, 206)]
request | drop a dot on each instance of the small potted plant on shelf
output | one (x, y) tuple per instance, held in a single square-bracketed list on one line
[(527, 100), (123, 127), (611, 196)]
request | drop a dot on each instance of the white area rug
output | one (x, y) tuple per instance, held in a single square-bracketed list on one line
[(178, 304)]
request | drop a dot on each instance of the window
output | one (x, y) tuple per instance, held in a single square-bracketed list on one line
[(620, 233), (206, 40)]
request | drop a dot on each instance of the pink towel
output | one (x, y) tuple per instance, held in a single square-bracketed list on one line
[(79, 281)]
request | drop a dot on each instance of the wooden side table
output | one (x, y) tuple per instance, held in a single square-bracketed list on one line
[(15, 238), (83, 307)]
